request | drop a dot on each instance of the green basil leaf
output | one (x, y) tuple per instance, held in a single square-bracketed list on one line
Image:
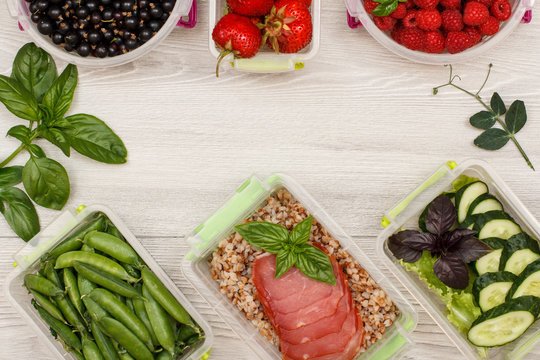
[(483, 120), (20, 132), (516, 117), (10, 176), (301, 232), (36, 150), (19, 212), (492, 139), (263, 235), (46, 182), (385, 8), (497, 104), (91, 137), (60, 95), (18, 100), (35, 69), (315, 264), (56, 137), (285, 259)]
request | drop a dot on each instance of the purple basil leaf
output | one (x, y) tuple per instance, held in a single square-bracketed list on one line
[(452, 271), (420, 241), (402, 251), (453, 238), (470, 249), (441, 215)]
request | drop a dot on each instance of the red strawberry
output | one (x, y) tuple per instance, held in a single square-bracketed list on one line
[(426, 4), (475, 14), (306, 2), (451, 4), (434, 42), (452, 20), (410, 19), (250, 7), (288, 27), (400, 11), (413, 38), (501, 9), (238, 35), (384, 23), (428, 20), (474, 34), (490, 27), (457, 41), (370, 5)]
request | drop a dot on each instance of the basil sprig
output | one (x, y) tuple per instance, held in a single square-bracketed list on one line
[(292, 249), (36, 93), (386, 7)]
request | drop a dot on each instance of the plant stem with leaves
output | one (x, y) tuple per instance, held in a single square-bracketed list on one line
[(514, 118)]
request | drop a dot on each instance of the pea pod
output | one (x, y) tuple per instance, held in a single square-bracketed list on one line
[(134, 346), (46, 304), (70, 281), (61, 329), (42, 285), (70, 313), (87, 248), (96, 276), (118, 310), (90, 349), (159, 319), (140, 311), (113, 246), (85, 285), (164, 355), (74, 242), (96, 260), (113, 230), (103, 342), (95, 311), (52, 274), (164, 297), (132, 270)]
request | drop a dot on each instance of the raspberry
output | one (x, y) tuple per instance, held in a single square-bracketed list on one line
[(428, 20), (487, 3), (426, 4), (400, 11), (413, 38), (501, 9), (384, 22), (451, 4), (409, 4), (475, 13), (410, 19), (370, 5), (434, 42), (457, 41), (396, 33), (490, 27), (475, 36), (452, 20)]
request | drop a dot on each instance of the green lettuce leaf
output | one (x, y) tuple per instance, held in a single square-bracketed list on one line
[(463, 180)]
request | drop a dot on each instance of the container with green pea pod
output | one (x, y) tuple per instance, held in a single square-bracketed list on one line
[(92, 291)]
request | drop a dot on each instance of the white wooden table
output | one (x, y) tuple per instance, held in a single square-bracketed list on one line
[(358, 127)]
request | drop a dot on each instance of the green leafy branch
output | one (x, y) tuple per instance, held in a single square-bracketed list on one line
[(492, 138), (36, 93)]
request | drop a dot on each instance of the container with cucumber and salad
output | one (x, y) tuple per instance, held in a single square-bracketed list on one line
[(468, 250)]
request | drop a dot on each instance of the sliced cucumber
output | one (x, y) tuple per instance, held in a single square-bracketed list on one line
[(489, 263), (465, 197), (490, 289), (484, 203), (504, 323), (520, 250), (495, 224), (528, 282)]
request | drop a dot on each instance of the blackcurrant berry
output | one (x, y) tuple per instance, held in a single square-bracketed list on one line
[(100, 51), (154, 25), (131, 23), (94, 37), (167, 5), (156, 12), (82, 12), (57, 38), (131, 44), (84, 49), (73, 38), (146, 34), (45, 26), (54, 12)]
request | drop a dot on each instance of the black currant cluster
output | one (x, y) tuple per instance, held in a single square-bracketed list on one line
[(100, 28)]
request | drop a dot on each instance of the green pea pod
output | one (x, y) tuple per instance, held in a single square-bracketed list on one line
[(164, 297), (131, 270), (90, 349), (52, 275), (42, 285), (187, 335), (140, 311), (85, 285), (159, 319), (112, 246), (70, 281), (108, 282), (46, 304), (103, 342), (134, 346), (62, 330), (70, 313), (164, 355), (78, 355), (87, 248), (98, 261), (113, 230), (118, 310), (95, 311)]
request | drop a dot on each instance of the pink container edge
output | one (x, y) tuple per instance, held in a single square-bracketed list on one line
[(192, 18)]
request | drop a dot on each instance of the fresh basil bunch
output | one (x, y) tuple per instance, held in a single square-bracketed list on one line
[(292, 249), (36, 93)]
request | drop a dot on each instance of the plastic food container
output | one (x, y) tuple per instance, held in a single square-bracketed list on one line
[(27, 260), (266, 60), (184, 14), (250, 196), (357, 16), (405, 215)]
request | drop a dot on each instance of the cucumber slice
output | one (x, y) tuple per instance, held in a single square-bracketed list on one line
[(528, 282), (465, 197), (495, 224), (504, 323), (489, 263), (520, 250), (490, 289), (483, 204)]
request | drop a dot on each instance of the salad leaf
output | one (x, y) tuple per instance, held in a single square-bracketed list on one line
[(462, 310), (452, 271), (463, 180), (441, 215)]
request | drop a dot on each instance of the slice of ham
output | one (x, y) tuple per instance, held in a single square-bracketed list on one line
[(313, 320)]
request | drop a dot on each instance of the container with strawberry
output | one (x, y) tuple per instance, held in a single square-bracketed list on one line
[(283, 26)]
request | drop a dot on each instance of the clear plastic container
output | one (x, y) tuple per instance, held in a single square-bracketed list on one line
[(250, 196), (519, 9), (183, 8), (405, 215), (266, 60), (27, 260)]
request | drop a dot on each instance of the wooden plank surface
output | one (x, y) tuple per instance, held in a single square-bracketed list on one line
[(358, 128)]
